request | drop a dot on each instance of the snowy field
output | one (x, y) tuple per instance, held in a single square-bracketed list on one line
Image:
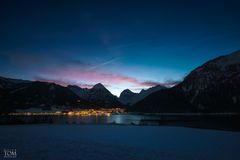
[(117, 142)]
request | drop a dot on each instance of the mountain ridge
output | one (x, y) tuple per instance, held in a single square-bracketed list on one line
[(38, 94), (129, 98), (212, 87), (98, 94)]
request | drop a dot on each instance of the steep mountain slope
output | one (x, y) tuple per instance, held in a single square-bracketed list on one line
[(127, 97), (215, 85), (212, 87), (7, 83), (166, 100), (98, 95), (37, 94)]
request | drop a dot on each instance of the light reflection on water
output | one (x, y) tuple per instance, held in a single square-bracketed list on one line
[(113, 119), (134, 119), (83, 119), (128, 118), (64, 119)]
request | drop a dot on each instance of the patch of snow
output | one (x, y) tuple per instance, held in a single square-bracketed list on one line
[(115, 142), (194, 96), (18, 89), (234, 99)]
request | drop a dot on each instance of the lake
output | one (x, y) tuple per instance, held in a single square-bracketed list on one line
[(124, 119), (226, 121)]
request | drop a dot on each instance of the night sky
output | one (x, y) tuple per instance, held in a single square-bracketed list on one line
[(121, 43)]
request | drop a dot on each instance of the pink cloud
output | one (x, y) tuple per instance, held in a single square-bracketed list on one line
[(76, 76)]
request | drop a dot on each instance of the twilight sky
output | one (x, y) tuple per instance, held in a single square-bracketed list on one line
[(131, 44)]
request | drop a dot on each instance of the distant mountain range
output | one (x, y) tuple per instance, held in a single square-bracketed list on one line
[(129, 98), (23, 94), (212, 87), (98, 95)]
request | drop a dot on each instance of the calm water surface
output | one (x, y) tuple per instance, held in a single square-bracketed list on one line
[(112, 119), (194, 120)]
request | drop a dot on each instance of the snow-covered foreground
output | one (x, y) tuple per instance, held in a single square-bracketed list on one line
[(116, 142)]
